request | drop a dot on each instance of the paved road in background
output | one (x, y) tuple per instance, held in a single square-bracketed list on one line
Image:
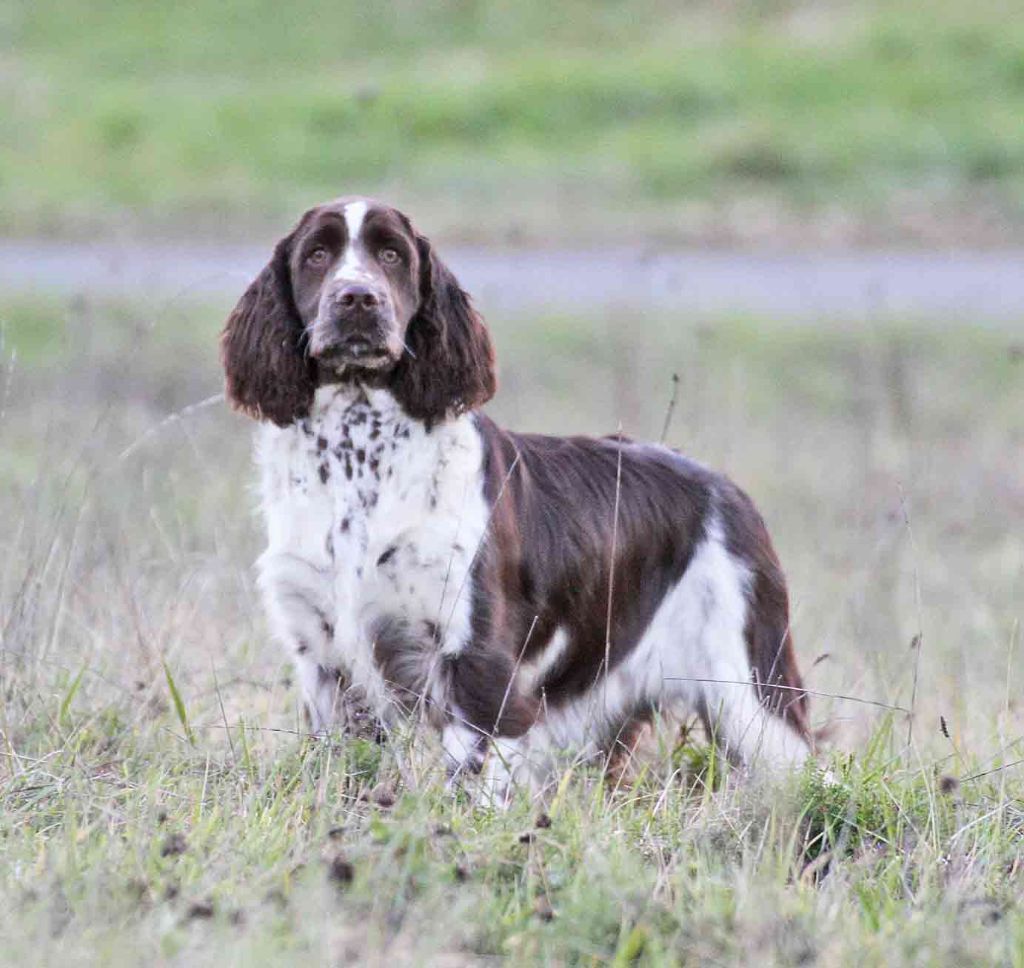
[(986, 288)]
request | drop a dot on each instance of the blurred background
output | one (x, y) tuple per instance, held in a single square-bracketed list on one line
[(819, 123), (787, 237)]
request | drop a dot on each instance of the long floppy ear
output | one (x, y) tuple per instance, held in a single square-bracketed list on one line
[(449, 368), (261, 348)]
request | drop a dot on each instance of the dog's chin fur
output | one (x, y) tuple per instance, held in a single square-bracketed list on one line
[(342, 371)]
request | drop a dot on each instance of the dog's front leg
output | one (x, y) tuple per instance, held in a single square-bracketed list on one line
[(488, 723), (465, 747), (477, 762), (300, 606)]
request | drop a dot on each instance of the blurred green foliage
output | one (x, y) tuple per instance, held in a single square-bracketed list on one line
[(196, 115)]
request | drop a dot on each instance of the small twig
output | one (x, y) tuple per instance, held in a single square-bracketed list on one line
[(919, 637), (1009, 667), (809, 692), (167, 421), (513, 676), (611, 568), (977, 820), (223, 715), (671, 408), (256, 729), (997, 769), (9, 377)]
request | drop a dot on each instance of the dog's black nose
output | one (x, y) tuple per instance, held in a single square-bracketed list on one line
[(355, 296)]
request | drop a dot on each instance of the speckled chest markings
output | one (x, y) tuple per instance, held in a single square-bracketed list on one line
[(372, 521), (354, 447)]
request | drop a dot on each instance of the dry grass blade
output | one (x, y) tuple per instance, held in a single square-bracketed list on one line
[(179, 704)]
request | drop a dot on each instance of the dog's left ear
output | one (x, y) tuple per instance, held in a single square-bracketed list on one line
[(268, 375), (449, 364)]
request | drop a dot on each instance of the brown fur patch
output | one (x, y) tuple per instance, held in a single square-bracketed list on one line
[(267, 374)]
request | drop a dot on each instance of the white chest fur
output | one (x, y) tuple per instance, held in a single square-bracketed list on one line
[(369, 517)]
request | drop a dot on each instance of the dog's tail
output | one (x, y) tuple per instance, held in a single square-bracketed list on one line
[(773, 663), (769, 639)]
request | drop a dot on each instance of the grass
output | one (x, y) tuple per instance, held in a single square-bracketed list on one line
[(839, 121), (158, 805), (181, 855)]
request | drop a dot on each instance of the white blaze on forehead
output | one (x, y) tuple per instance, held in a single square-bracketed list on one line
[(352, 268), (355, 212)]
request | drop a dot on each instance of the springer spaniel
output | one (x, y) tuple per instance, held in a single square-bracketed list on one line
[(526, 593)]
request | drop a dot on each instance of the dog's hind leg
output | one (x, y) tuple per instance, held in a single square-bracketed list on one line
[(716, 637)]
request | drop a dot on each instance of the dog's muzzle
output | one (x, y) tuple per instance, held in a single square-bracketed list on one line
[(353, 330)]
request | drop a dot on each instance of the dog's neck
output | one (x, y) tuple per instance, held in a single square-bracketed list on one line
[(358, 439), (353, 396)]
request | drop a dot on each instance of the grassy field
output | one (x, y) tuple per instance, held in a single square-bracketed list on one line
[(807, 122), (158, 804)]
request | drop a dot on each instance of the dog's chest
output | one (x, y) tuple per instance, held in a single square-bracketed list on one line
[(387, 516)]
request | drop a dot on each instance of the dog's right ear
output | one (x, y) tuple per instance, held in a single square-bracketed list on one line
[(269, 375)]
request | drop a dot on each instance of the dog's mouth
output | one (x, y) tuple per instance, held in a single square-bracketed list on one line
[(356, 353)]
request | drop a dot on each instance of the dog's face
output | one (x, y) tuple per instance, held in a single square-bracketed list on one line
[(355, 276), (353, 292)]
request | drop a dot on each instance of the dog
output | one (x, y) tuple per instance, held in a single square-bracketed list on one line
[(524, 594)]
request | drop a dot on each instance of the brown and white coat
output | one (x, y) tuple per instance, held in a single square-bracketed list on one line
[(530, 593)]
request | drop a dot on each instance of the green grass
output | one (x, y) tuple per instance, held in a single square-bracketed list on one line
[(887, 464), (577, 121), (143, 849)]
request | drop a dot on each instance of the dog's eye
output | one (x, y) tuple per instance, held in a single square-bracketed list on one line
[(317, 258), (389, 257)]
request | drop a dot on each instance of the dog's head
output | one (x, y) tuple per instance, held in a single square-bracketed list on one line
[(355, 293)]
